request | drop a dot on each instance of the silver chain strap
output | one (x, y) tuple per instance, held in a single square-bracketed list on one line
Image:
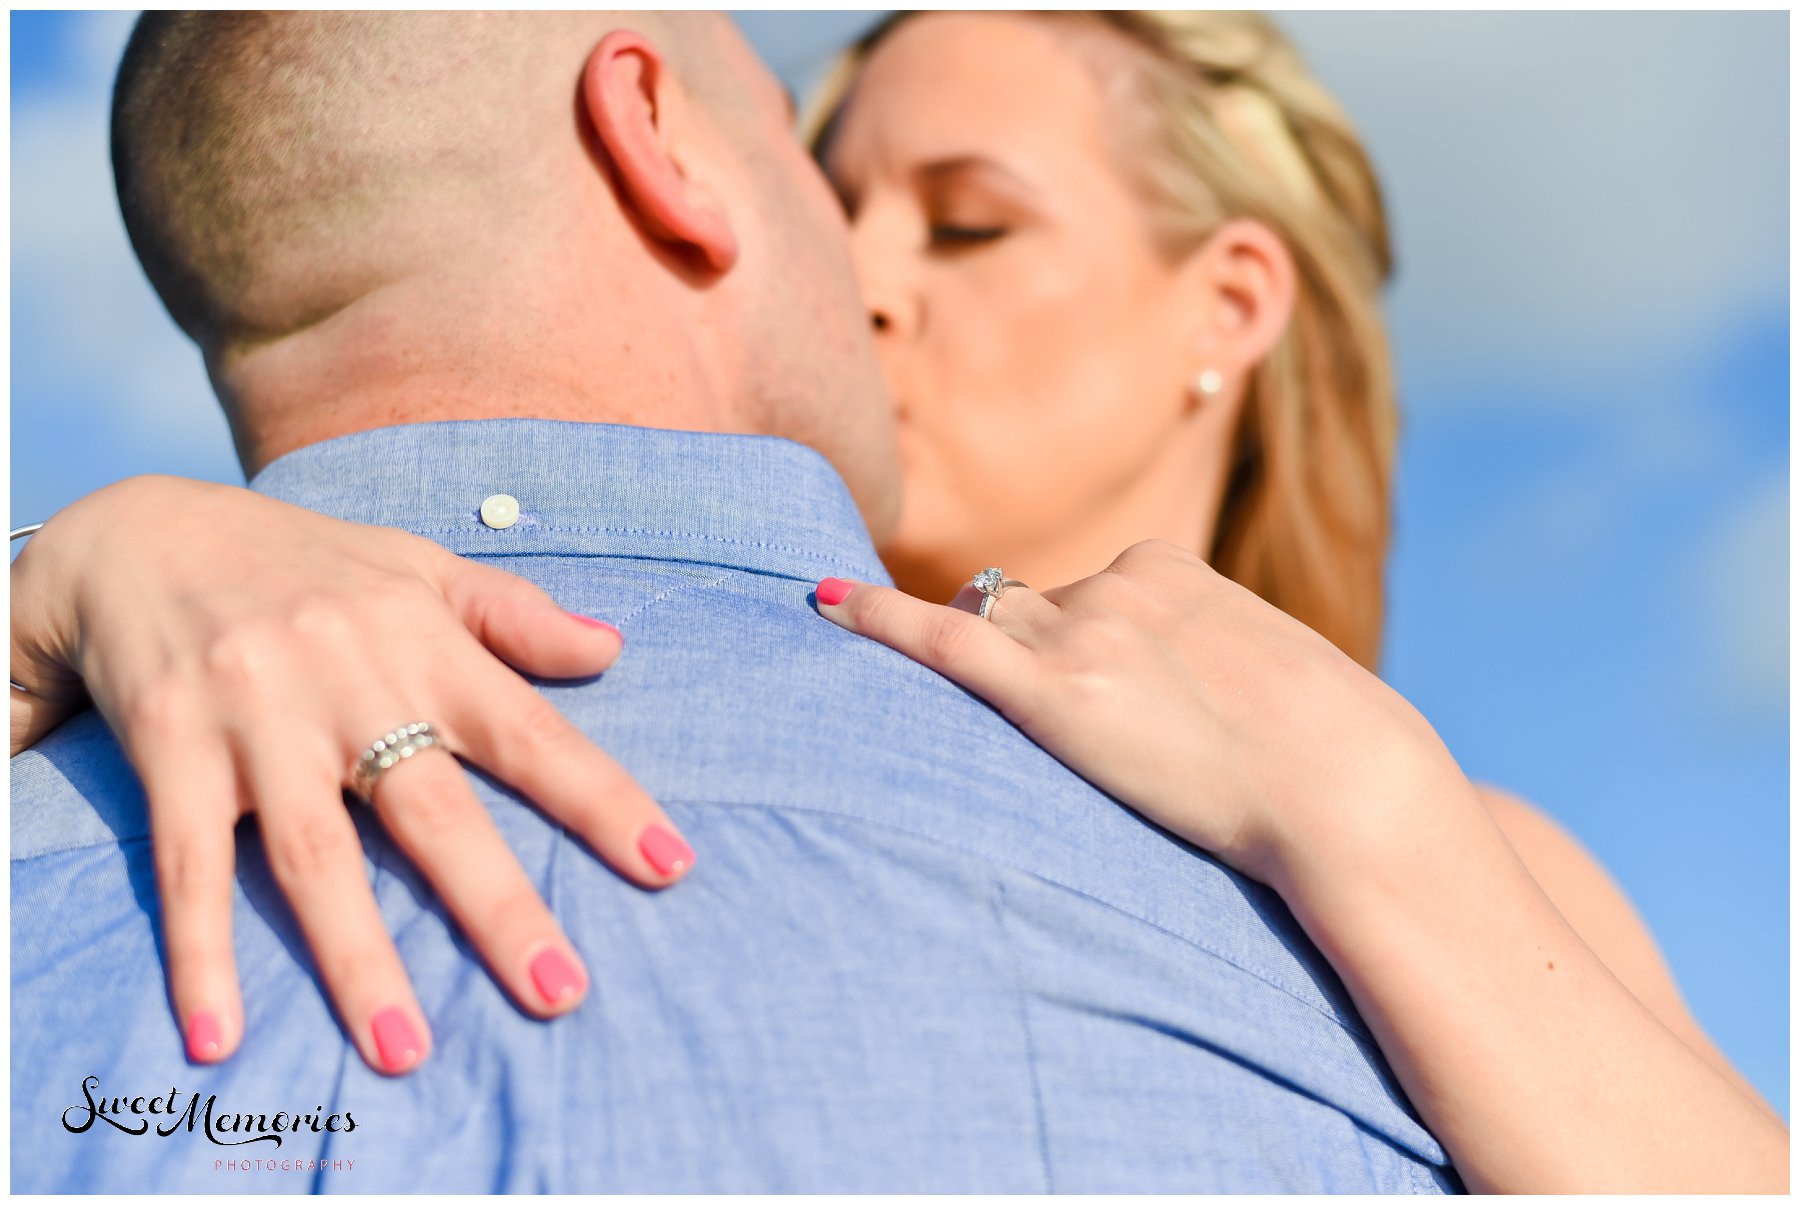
[(17, 534)]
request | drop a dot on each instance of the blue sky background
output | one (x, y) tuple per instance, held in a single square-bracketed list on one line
[(1590, 577)]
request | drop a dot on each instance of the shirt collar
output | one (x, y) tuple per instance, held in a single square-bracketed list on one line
[(753, 502)]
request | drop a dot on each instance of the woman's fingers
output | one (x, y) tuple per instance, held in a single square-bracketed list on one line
[(523, 625), (498, 721), (193, 814), (427, 804), (317, 860), (502, 724), (294, 629), (196, 864), (970, 651)]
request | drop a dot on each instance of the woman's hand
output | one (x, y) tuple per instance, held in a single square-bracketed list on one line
[(245, 652), (1235, 726), (1176, 691)]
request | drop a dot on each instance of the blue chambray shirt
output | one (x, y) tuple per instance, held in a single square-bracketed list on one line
[(915, 953)]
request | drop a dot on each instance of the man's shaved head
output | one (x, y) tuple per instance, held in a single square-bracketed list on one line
[(274, 166)]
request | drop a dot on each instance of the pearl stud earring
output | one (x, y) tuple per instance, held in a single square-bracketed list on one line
[(1208, 383)]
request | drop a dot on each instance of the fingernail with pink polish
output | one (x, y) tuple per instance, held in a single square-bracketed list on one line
[(665, 851), (595, 623), (204, 1038), (556, 978), (397, 1043), (832, 591)]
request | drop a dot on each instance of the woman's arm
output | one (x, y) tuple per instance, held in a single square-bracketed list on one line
[(1537, 1068), (245, 652), (1531, 1061), (1597, 909)]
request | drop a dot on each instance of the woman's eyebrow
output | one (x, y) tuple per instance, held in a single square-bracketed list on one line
[(940, 170)]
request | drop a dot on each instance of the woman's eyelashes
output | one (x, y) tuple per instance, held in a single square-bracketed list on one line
[(958, 237)]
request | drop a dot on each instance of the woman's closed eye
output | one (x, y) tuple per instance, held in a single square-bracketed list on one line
[(950, 237)]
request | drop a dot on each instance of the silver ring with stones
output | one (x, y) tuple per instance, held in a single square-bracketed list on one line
[(388, 751), (992, 582)]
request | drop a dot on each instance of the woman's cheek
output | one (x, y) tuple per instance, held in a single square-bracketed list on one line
[(1015, 381)]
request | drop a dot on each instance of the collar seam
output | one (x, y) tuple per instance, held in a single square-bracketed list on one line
[(477, 529), (862, 572)]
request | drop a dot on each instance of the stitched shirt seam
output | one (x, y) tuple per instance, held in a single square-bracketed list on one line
[(857, 569), (1057, 883), (1031, 1059), (678, 588), (481, 532)]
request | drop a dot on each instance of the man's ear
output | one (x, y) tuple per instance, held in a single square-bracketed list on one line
[(628, 89)]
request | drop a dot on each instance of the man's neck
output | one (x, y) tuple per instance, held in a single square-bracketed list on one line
[(637, 361), (364, 368), (268, 436)]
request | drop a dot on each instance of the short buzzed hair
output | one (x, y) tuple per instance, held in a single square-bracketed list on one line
[(273, 167), (235, 131)]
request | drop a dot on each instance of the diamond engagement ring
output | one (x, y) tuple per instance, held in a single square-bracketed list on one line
[(992, 582), (389, 751)]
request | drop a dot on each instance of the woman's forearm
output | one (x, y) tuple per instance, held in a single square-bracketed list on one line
[(1534, 1066)]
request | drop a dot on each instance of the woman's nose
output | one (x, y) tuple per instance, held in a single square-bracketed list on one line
[(893, 311), (882, 270)]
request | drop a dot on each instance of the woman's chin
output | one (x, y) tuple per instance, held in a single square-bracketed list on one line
[(928, 570)]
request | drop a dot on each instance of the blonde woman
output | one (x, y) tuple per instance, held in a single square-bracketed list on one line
[(1124, 272)]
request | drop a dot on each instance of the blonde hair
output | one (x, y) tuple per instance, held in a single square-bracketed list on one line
[(1241, 129)]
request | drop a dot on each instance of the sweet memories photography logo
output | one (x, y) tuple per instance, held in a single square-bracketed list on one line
[(165, 1115)]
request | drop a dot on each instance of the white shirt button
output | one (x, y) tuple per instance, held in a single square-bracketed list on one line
[(500, 511)]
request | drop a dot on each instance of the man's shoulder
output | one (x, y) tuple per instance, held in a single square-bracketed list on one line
[(75, 789), (733, 690), (719, 657)]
